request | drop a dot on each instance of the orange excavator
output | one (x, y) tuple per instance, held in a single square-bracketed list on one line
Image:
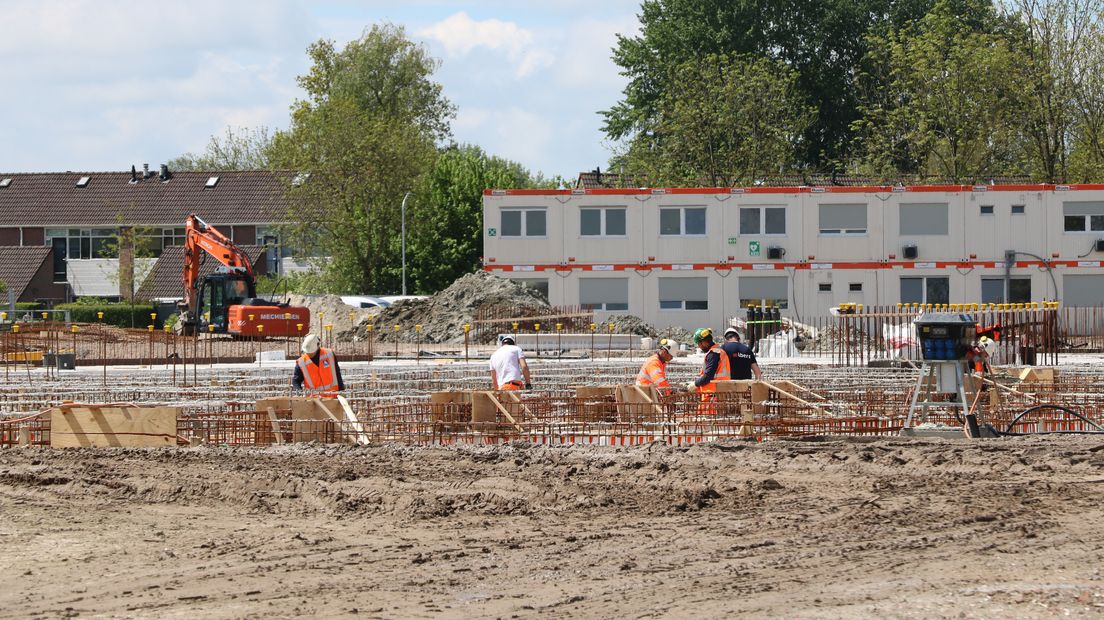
[(226, 302)]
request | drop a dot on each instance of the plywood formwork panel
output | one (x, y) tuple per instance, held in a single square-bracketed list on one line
[(121, 427)]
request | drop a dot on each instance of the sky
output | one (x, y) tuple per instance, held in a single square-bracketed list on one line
[(100, 85)]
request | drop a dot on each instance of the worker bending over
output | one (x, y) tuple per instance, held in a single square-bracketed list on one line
[(715, 368), (509, 370), (741, 359), (316, 371), (654, 370)]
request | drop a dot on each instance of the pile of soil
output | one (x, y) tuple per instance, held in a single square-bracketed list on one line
[(443, 315), (631, 324), (330, 310)]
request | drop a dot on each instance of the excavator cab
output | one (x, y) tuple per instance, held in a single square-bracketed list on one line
[(218, 292)]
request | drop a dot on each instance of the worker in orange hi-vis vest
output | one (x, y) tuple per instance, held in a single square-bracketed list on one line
[(715, 367), (316, 371), (654, 370)]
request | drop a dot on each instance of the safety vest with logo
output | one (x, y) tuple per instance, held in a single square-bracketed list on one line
[(724, 370), (653, 372), (319, 378)]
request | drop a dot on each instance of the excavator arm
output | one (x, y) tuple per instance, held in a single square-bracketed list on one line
[(201, 237)]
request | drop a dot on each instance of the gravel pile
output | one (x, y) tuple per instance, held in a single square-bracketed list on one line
[(443, 315), (330, 310)]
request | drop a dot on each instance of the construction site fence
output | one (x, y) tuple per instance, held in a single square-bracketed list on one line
[(567, 417), (1028, 335)]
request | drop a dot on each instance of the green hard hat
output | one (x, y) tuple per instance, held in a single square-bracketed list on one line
[(702, 333)]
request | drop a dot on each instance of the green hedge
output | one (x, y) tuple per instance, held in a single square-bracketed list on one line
[(30, 305), (120, 315)]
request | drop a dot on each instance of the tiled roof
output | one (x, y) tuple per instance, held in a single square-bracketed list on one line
[(166, 277), (600, 180), (109, 198), (18, 265)]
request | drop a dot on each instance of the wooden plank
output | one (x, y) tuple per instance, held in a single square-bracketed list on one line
[(351, 419), (492, 396), (309, 420), (275, 422), (102, 427), (595, 391)]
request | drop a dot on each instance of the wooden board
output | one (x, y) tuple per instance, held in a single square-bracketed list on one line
[(595, 391), (105, 427)]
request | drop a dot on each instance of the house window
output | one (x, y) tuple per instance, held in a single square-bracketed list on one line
[(523, 223), (762, 220), (992, 290), (825, 287), (855, 287), (924, 218), (684, 293), (83, 243), (605, 222), (674, 221), (987, 209), (611, 294), (538, 285), (926, 290), (764, 291), (1083, 216), (843, 219), (1017, 209)]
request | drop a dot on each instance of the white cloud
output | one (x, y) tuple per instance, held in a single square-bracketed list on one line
[(460, 35)]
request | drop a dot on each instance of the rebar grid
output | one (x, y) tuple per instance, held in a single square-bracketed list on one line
[(393, 403)]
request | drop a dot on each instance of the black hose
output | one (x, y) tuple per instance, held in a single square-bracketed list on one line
[(1008, 431)]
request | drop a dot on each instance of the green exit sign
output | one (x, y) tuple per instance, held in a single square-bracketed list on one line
[(491, 232)]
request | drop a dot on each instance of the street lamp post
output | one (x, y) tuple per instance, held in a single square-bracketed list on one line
[(404, 242)]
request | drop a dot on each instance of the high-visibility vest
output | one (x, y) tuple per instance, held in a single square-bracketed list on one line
[(724, 370), (653, 372), (319, 378)]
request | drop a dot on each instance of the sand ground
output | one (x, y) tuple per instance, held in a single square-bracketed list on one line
[(852, 528)]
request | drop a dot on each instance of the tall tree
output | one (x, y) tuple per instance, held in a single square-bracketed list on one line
[(237, 149), (366, 134), (822, 40), (1059, 45), (947, 101), (725, 120), (445, 219)]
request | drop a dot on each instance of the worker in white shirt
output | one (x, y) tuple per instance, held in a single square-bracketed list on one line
[(509, 370)]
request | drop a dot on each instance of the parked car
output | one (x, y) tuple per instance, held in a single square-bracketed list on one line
[(393, 299), (365, 301)]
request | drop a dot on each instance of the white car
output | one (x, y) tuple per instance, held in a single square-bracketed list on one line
[(365, 301), (393, 299)]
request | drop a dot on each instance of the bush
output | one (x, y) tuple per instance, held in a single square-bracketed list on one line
[(119, 315), (29, 305)]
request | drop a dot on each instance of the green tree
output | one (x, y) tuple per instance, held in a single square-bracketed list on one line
[(366, 133), (445, 218), (237, 149), (947, 101), (1060, 51), (725, 120), (824, 41)]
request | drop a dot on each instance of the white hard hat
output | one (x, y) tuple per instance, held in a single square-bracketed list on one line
[(310, 344), (665, 344), (732, 331), (986, 344)]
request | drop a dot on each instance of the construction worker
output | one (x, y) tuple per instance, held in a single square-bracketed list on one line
[(509, 370), (978, 357), (741, 358), (316, 371), (654, 370), (716, 367)]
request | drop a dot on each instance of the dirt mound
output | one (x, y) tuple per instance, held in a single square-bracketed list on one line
[(443, 315), (630, 324), (330, 310)]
